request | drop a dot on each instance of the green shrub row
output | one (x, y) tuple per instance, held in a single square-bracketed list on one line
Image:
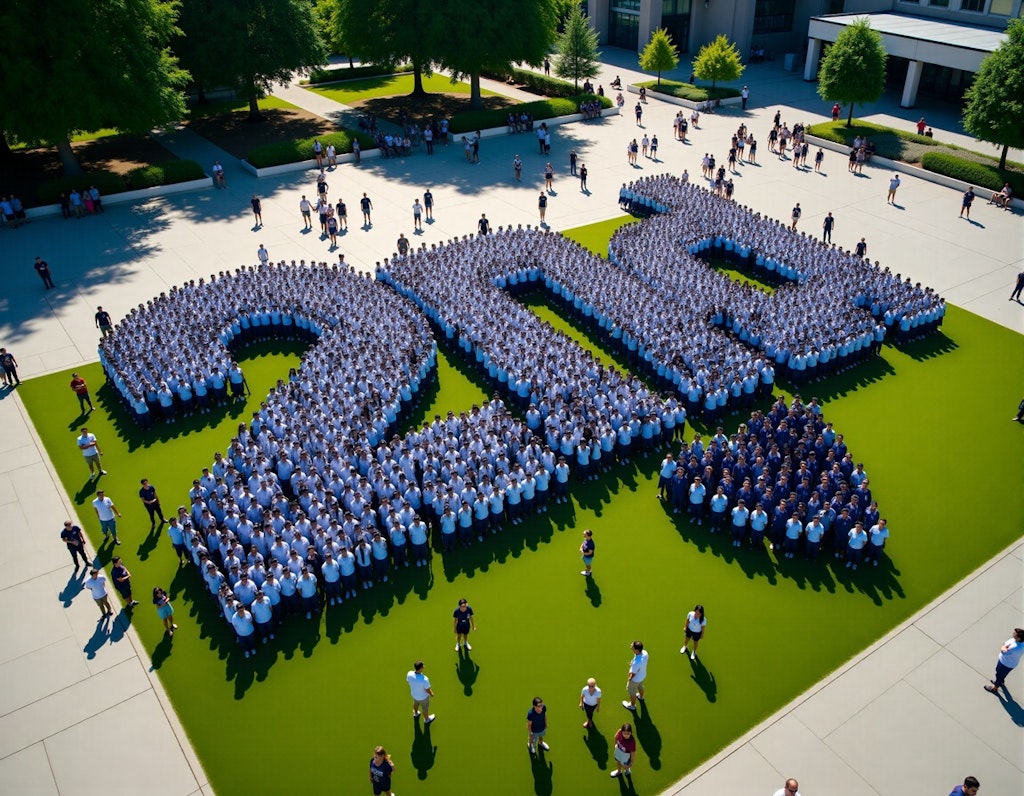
[(281, 152), (548, 86), (688, 91), (336, 73), (839, 133), (110, 182), (471, 121), (983, 175)]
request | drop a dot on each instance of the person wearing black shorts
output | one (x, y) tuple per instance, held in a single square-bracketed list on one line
[(463, 622), (695, 625)]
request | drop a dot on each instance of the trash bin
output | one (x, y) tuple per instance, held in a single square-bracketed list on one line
[(789, 61)]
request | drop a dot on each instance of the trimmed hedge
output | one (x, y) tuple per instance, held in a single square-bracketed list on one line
[(281, 152), (688, 91), (110, 182), (336, 74), (984, 175), (541, 109), (548, 86), (839, 133)]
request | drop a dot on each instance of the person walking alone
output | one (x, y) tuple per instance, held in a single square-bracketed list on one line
[(1009, 656)]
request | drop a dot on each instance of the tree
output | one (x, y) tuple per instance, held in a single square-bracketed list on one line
[(394, 31), (331, 31), (111, 69), (495, 35), (994, 103), (660, 54), (718, 60), (577, 49), (853, 69), (250, 46)]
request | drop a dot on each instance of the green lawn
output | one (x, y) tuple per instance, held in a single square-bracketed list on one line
[(391, 85), (328, 690)]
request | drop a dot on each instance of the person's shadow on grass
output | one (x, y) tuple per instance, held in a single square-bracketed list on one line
[(423, 753), (467, 671), (543, 774), (593, 592), (647, 735), (704, 679), (598, 746), (161, 652)]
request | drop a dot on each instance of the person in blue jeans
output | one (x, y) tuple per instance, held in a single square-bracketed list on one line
[(1009, 656)]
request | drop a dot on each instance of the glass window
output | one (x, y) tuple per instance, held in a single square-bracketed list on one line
[(1001, 7), (670, 8), (628, 5), (972, 5), (915, 2), (624, 30), (939, 3), (773, 16)]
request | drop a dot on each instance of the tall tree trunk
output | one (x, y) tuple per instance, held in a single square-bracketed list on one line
[(476, 100), (351, 63), (849, 118), (1002, 157), (659, 77), (255, 115), (68, 161), (417, 81)]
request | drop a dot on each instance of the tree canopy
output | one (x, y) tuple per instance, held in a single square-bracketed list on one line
[(249, 46), (994, 103), (853, 69), (577, 49), (660, 54), (718, 60), (112, 68)]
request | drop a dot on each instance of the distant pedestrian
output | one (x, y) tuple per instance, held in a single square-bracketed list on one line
[(90, 448), (356, 150), (483, 225), (537, 726), (862, 248), (549, 177), (625, 751), (894, 183), (164, 610), (381, 769), (366, 206), (791, 788), (257, 210), (10, 368), (318, 153), (696, 623), (836, 109), (73, 537), (43, 269), (103, 322), (419, 687), (332, 156), (819, 156), (572, 162), (96, 583), (106, 512), (517, 168), (744, 96), (969, 788), (547, 67), (583, 177), (81, 391), (149, 498), (1009, 656), (402, 244), (639, 111), (966, 202), (218, 176), (654, 148), (590, 701), (587, 550), (826, 228), (1015, 295), (306, 209), (637, 675), (542, 208), (417, 215), (795, 216), (428, 205), (463, 621), (263, 255), (122, 581), (921, 125)]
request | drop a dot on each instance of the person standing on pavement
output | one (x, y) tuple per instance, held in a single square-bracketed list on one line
[(103, 322), (10, 368), (791, 788), (428, 205), (105, 511), (1015, 295), (966, 202), (43, 269), (826, 228), (542, 208), (745, 95), (366, 206), (122, 581), (894, 183), (590, 702), (91, 451), (263, 255), (583, 178), (795, 216), (149, 498), (969, 788), (81, 391), (96, 583), (483, 225), (257, 210), (637, 675), (306, 209), (417, 215), (419, 687), (1009, 656), (73, 537)]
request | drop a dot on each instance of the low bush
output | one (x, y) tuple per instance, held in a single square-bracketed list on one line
[(548, 86), (688, 91), (337, 73), (48, 192), (281, 152), (169, 173), (841, 134), (541, 109), (983, 175)]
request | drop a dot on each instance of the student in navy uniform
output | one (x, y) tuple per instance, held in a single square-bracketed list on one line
[(587, 550), (73, 537), (537, 726), (428, 205), (463, 622), (381, 769), (149, 498)]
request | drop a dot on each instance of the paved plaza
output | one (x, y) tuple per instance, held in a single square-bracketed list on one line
[(81, 712)]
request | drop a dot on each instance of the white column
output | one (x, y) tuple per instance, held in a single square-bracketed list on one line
[(813, 56), (910, 86)]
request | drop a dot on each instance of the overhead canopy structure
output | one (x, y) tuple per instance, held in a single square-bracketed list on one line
[(920, 41)]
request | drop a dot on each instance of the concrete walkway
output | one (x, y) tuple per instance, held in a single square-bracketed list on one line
[(79, 711)]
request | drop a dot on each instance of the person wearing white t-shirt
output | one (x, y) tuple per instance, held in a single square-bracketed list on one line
[(419, 687), (789, 789), (590, 701), (695, 624), (97, 586), (1009, 656), (637, 675), (105, 511)]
